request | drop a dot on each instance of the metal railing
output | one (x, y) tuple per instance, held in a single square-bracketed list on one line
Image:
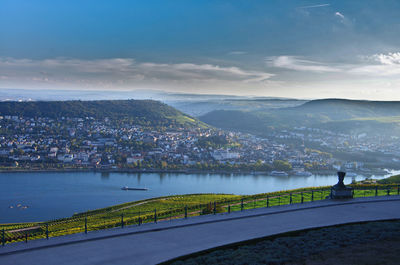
[(98, 221)]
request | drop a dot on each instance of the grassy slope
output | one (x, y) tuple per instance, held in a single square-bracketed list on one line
[(390, 180), (364, 243)]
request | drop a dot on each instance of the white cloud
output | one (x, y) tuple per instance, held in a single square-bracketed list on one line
[(379, 65), (340, 15), (388, 59), (376, 70), (375, 65), (121, 71), (314, 6), (299, 64)]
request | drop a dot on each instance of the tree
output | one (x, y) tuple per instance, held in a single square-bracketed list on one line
[(282, 165)]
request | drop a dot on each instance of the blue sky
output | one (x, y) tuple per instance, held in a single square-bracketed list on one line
[(307, 49)]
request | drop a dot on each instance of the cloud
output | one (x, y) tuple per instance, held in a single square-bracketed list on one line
[(313, 6), (338, 14), (237, 52), (388, 59), (122, 72), (299, 64), (379, 65)]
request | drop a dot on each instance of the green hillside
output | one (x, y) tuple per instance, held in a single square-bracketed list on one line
[(144, 112), (339, 109), (334, 114)]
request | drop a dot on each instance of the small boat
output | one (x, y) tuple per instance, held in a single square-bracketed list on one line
[(129, 188), (279, 173)]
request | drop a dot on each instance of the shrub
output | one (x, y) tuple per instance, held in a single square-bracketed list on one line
[(209, 209)]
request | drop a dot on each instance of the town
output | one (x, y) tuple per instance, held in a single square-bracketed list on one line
[(87, 143)]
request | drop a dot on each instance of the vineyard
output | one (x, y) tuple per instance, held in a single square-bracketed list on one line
[(173, 207)]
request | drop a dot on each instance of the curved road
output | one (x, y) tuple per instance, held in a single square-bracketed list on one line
[(155, 243)]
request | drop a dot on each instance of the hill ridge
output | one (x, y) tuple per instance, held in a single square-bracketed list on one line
[(148, 112)]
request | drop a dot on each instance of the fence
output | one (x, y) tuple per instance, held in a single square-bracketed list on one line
[(84, 224)]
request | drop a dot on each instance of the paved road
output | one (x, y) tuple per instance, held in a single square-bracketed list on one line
[(174, 239)]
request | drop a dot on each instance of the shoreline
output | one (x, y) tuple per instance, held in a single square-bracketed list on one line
[(186, 171)]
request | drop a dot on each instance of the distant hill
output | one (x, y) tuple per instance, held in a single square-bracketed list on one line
[(339, 109), (145, 112), (333, 114), (198, 106)]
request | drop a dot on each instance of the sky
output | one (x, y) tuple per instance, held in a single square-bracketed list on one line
[(275, 48)]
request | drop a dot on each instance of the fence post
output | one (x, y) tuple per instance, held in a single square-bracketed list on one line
[(290, 202), (312, 195), (26, 237), (229, 208), (388, 192), (47, 231), (122, 220), (185, 211), (302, 198), (376, 191), (3, 237), (241, 205), (155, 215), (215, 208), (267, 201), (85, 224)]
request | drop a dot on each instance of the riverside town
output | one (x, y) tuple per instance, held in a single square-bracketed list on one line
[(87, 143)]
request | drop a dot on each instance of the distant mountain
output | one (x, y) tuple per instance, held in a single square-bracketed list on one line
[(333, 114), (199, 106), (145, 112), (339, 109)]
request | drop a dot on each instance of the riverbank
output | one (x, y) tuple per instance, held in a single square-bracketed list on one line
[(52, 195), (376, 172)]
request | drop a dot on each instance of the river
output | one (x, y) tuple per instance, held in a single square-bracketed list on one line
[(41, 196)]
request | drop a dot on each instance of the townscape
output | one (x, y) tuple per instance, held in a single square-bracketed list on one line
[(88, 143)]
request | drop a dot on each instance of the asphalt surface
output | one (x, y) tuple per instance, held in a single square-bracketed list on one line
[(155, 243)]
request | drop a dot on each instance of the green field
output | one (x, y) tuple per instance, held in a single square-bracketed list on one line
[(173, 207)]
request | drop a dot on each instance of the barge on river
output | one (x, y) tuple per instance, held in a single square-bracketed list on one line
[(129, 188)]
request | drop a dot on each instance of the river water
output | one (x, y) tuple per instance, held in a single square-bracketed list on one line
[(40, 196)]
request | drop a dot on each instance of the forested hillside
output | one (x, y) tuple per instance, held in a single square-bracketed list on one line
[(334, 114), (146, 112)]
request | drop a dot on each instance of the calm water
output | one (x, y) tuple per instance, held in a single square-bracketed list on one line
[(55, 195)]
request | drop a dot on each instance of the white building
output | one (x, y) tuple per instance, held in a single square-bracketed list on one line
[(224, 155)]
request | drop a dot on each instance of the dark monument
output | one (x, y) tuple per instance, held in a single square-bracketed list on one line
[(340, 191)]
